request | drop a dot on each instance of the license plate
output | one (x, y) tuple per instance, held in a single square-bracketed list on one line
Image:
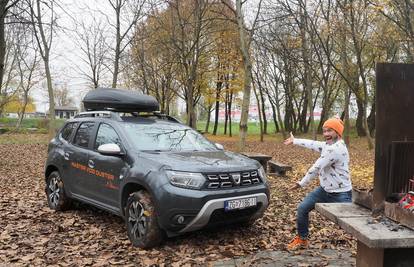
[(240, 203)]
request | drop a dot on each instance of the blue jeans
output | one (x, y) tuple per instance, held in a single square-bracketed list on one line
[(316, 196)]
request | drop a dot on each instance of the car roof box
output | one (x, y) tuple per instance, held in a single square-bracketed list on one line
[(119, 100)]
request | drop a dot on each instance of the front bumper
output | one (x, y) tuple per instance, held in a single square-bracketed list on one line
[(205, 207), (204, 215)]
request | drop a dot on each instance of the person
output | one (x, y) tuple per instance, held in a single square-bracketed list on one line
[(332, 167)]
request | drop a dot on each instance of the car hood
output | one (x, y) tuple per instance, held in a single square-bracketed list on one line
[(203, 161)]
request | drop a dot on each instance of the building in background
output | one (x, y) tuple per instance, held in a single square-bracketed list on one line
[(65, 112)]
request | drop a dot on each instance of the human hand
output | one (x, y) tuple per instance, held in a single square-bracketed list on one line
[(294, 187), (289, 141)]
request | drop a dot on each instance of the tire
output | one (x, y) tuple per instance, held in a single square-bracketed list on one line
[(55, 193), (141, 221)]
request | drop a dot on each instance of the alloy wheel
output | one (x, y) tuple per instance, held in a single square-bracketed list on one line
[(54, 191), (137, 220)]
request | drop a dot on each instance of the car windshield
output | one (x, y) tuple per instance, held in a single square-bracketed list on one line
[(167, 137)]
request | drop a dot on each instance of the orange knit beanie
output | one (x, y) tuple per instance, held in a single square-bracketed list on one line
[(336, 124)]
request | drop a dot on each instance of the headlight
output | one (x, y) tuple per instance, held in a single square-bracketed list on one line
[(262, 174), (186, 179)]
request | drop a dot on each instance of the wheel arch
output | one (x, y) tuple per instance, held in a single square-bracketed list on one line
[(130, 188), (50, 169)]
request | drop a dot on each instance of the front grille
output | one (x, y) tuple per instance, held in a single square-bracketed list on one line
[(232, 179)]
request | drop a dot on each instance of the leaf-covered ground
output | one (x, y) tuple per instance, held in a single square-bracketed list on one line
[(32, 234)]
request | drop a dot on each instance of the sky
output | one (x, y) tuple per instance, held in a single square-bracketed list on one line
[(65, 55)]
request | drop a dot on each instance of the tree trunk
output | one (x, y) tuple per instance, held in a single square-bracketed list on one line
[(360, 117), (226, 110), (218, 90), (303, 114), (247, 65), (23, 110), (347, 126), (45, 47), (230, 113), (275, 119), (210, 106), (3, 5), (259, 111), (117, 47), (262, 106), (307, 71), (371, 119)]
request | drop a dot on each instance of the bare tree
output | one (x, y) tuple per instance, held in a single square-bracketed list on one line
[(92, 40), (5, 6), (44, 32), (245, 36), (8, 88), (127, 14), (28, 61), (62, 96)]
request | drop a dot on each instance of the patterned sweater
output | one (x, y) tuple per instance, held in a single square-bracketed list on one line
[(332, 166)]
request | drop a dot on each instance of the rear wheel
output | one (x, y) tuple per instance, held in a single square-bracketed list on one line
[(141, 221), (55, 192)]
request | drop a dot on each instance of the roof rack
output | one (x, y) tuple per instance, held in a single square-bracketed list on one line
[(115, 115), (99, 113), (159, 115)]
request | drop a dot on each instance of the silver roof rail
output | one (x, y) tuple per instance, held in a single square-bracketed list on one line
[(98, 113)]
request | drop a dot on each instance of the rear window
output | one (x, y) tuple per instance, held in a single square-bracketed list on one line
[(83, 135), (67, 130)]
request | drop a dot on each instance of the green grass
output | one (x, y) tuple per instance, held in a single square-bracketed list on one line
[(254, 128), (39, 123), (21, 138)]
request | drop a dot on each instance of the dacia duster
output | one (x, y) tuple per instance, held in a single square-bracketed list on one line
[(161, 176)]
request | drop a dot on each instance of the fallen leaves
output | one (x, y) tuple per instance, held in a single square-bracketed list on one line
[(32, 234)]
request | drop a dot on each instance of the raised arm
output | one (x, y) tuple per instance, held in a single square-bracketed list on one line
[(310, 144)]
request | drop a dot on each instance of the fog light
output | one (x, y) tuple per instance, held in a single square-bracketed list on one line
[(179, 219)]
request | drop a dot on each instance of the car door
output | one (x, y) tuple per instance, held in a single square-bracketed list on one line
[(109, 170), (77, 156), (63, 151)]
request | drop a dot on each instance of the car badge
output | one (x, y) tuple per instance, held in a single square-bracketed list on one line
[(236, 177)]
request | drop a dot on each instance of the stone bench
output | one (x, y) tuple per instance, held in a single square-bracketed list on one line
[(381, 242), (278, 168)]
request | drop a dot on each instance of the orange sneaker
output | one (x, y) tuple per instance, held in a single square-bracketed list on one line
[(297, 243)]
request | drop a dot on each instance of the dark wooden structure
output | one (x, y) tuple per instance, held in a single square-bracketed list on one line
[(380, 245), (262, 158), (278, 168), (394, 140)]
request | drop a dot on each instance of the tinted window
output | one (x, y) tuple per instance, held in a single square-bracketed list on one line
[(67, 130), (106, 135), (167, 137), (83, 134)]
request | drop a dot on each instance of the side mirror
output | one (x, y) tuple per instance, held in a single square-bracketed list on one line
[(219, 146), (110, 150)]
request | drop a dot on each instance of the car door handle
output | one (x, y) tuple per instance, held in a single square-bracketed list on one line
[(91, 164), (66, 156)]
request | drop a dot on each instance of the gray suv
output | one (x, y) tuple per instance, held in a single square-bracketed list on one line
[(162, 177)]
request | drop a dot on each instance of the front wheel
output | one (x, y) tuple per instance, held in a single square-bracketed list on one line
[(55, 193), (141, 221)]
